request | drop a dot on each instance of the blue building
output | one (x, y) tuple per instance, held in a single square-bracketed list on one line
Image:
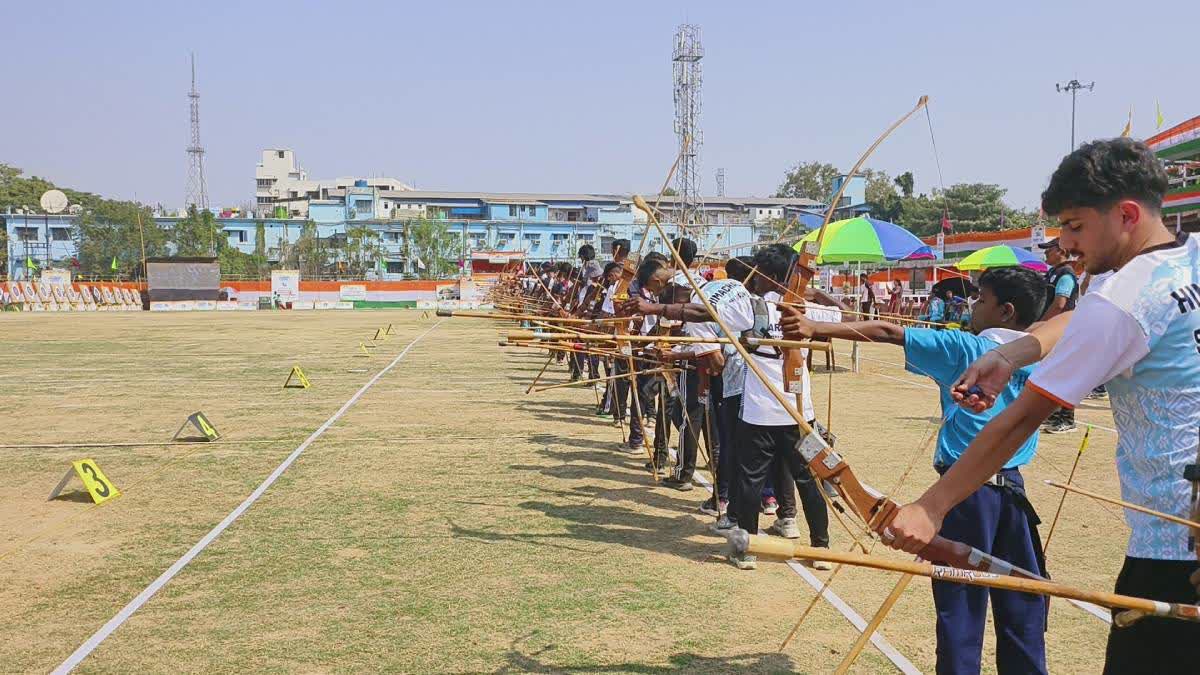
[(539, 227)]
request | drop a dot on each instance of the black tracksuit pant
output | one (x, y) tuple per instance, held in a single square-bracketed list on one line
[(768, 453)]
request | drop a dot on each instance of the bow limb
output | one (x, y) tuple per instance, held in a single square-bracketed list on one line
[(769, 547)]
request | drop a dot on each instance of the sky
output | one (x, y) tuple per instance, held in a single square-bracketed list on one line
[(576, 97)]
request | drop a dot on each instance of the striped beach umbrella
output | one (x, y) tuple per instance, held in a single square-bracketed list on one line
[(867, 240), (1001, 256)]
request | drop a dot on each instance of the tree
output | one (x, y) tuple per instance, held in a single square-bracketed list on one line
[(310, 254), (881, 195), (670, 192), (809, 180), (363, 249), (905, 182), (431, 243), (971, 207), (198, 234), (116, 229)]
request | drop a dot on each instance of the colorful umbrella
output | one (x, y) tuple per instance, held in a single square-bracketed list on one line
[(867, 240), (1001, 256)]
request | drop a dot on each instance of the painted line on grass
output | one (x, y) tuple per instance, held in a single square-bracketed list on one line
[(127, 611), (902, 664)]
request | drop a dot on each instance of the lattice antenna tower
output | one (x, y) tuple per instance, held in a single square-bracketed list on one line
[(687, 81), (721, 182), (197, 189)]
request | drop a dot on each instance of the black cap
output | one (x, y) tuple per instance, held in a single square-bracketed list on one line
[(1053, 243)]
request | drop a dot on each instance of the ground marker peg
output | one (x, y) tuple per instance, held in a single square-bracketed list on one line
[(378, 334), (389, 330), (200, 422), (98, 485), (301, 379), (362, 347)]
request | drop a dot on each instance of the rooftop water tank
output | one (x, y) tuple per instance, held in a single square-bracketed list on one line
[(360, 183)]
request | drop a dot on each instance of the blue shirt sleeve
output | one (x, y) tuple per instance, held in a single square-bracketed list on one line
[(938, 354), (1065, 286)]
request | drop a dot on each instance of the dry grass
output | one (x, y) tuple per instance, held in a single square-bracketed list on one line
[(447, 523)]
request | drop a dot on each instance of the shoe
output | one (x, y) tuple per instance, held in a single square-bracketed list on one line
[(710, 508), (677, 484), (786, 528), (725, 523), (822, 565), (1060, 428), (601, 412), (770, 506), (1098, 394), (630, 448), (745, 561)]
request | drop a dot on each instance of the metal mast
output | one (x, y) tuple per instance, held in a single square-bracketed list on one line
[(1073, 87), (197, 190), (721, 182), (685, 60)]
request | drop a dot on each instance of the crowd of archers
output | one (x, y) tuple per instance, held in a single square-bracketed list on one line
[(676, 362)]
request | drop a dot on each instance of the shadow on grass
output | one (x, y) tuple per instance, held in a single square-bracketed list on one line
[(770, 662)]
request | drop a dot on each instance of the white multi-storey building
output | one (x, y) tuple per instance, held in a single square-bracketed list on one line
[(282, 187)]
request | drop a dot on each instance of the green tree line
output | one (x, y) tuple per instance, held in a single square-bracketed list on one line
[(971, 207)]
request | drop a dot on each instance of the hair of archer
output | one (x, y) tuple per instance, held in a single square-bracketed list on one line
[(1101, 173), (1021, 287)]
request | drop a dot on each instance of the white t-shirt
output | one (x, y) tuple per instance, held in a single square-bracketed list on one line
[(1139, 332), (733, 302), (607, 305)]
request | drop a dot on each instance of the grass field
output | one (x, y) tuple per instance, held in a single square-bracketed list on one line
[(445, 523)]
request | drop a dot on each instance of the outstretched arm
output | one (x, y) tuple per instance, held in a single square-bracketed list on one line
[(796, 326)]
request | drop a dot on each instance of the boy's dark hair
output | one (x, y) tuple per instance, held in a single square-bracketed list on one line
[(1101, 173), (775, 261), (565, 267), (622, 244), (686, 248), (1022, 287), (655, 255), (587, 252), (647, 269), (739, 268), (610, 267)]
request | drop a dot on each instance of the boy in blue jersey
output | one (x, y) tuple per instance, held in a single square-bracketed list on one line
[(1140, 334), (997, 518)]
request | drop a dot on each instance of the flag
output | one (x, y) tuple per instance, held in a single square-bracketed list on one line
[(113, 266), (1125, 133), (1158, 118), (420, 264), (29, 264), (946, 225)]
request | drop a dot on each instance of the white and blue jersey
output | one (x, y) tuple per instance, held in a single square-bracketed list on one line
[(1140, 334), (943, 355)]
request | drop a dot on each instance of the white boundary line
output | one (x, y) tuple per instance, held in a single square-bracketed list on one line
[(903, 664), (127, 611), (853, 617)]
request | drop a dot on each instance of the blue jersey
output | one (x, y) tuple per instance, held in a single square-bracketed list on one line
[(943, 355), (1140, 333)]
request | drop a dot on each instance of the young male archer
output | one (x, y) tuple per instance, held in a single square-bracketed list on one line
[(997, 518), (1140, 333)]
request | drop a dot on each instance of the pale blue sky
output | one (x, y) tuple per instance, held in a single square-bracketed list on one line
[(574, 97)]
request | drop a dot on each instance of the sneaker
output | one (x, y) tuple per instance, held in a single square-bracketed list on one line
[(677, 484), (745, 561), (822, 565), (770, 506), (710, 508), (1098, 394), (631, 448), (786, 528), (1060, 428)]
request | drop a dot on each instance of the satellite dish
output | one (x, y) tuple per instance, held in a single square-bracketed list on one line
[(53, 201)]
